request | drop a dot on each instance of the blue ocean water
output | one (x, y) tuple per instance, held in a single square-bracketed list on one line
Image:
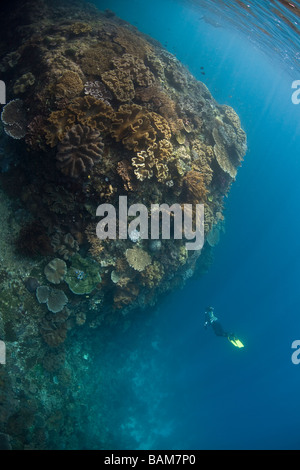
[(195, 390)]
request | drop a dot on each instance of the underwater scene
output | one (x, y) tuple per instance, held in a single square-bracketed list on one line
[(150, 235)]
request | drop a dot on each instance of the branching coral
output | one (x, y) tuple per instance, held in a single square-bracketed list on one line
[(137, 258), (152, 274), (125, 295), (124, 169), (195, 187), (96, 245), (79, 151)]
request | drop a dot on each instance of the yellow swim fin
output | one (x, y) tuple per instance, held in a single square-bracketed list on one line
[(236, 342)]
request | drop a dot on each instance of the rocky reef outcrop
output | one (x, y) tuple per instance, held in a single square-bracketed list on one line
[(100, 111)]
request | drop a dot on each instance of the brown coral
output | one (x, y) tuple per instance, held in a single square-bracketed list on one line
[(59, 123), (139, 129), (97, 59), (128, 71), (153, 161), (133, 127), (69, 85), (53, 332), (23, 83), (64, 244), (92, 112), (152, 274), (222, 155), (124, 169), (125, 295), (80, 28), (55, 271), (195, 187), (86, 110), (79, 151), (137, 258)]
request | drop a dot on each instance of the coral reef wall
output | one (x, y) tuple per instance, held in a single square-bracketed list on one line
[(97, 110)]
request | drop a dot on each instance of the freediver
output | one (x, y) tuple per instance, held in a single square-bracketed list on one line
[(213, 321)]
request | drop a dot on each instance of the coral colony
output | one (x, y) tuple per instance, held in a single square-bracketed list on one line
[(118, 161), (107, 118), (183, 223)]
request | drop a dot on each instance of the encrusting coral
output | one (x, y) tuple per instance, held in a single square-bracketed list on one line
[(83, 276)]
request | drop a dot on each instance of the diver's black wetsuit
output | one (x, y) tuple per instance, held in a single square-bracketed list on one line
[(218, 329), (213, 321)]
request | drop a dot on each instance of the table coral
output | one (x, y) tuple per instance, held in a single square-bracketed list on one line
[(14, 119), (222, 155), (55, 271)]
